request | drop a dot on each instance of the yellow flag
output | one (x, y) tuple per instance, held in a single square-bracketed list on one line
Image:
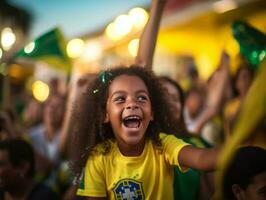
[(252, 112)]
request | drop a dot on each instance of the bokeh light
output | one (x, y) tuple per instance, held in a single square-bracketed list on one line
[(133, 46), (110, 32), (138, 16), (119, 28), (40, 91), (8, 38), (75, 47), (92, 51), (29, 48), (123, 25)]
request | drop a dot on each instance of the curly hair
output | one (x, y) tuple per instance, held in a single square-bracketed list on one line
[(89, 114)]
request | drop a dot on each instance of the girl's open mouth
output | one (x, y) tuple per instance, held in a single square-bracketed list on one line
[(132, 121)]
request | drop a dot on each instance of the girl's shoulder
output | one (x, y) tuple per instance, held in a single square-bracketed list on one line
[(170, 138), (103, 148)]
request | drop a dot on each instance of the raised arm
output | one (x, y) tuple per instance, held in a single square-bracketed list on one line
[(216, 91), (67, 122), (76, 90), (149, 36)]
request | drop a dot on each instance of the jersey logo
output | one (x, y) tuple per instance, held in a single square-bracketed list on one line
[(128, 189)]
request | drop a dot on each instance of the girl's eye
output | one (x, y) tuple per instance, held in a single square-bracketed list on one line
[(142, 98), (119, 99)]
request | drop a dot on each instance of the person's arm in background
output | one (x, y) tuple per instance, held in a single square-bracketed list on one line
[(75, 92), (67, 122), (148, 38), (216, 91)]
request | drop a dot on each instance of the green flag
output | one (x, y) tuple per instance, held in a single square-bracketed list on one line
[(50, 48), (252, 42)]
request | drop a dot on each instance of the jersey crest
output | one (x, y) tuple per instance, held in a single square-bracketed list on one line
[(128, 189)]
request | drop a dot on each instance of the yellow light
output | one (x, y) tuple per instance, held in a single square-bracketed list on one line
[(8, 38), (110, 30), (92, 51), (138, 16), (123, 25), (133, 47), (29, 48), (75, 47), (1, 53), (119, 28), (40, 91)]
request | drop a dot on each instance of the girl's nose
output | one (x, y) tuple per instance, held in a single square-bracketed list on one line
[(132, 105)]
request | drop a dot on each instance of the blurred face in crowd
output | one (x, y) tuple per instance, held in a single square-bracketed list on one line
[(33, 113), (174, 98), (194, 103), (54, 110), (256, 190)]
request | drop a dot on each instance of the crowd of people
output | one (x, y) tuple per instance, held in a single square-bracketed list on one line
[(127, 133)]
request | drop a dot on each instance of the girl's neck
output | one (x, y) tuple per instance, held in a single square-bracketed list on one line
[(131, 150)]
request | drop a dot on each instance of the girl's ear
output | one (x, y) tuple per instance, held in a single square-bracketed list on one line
[(106, 119)]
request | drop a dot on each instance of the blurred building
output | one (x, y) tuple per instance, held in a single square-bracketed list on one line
[(191, 30), (191, 38)]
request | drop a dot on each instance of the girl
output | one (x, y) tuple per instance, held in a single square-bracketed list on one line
[(120, 139)]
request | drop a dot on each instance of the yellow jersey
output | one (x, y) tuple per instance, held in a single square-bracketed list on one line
[(148, 176)]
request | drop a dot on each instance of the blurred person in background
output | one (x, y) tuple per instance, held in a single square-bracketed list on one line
[(17, 170), (192, 184), (32, 114), (194, 103), (45, 139), (203, 112), (241, 83), (245, 177), (9, 126)]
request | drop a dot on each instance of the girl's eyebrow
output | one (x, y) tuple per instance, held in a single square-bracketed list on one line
[(143, 91), (123, 92), (118, 92)]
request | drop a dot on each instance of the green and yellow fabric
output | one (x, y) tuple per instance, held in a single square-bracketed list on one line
[(50, 48), (251, 115)]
